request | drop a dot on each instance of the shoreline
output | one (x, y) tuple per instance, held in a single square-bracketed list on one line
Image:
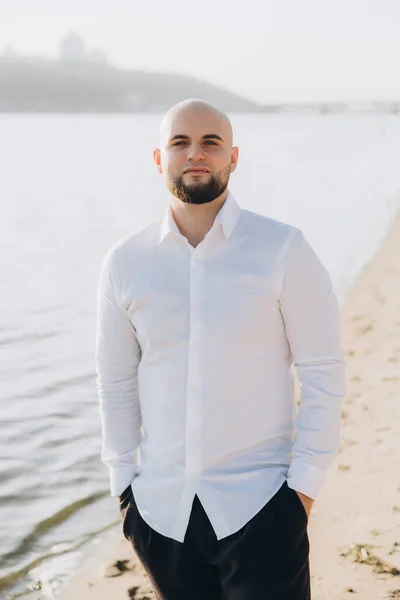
[(358, 511), (354, 526)]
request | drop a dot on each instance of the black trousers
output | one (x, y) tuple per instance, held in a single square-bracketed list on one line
[(267, 559)]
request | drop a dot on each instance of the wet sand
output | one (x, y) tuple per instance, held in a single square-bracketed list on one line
[(354, 527)]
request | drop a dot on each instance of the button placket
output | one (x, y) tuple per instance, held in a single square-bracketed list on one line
[(193, 411)]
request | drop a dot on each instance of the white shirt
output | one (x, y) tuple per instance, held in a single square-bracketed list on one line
[(194, 349)]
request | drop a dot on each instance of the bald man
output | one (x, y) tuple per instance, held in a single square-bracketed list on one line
[(201, 315)]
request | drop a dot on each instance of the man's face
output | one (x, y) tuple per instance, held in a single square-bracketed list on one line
[(196, 155)]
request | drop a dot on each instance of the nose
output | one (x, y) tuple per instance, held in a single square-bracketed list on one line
[(195, 152)]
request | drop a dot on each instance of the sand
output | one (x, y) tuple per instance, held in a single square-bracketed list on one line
[(354, 527)]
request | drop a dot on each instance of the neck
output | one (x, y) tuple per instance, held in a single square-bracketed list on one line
[(194, 221)]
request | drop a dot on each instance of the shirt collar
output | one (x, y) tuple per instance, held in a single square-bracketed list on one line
[(227, 215)]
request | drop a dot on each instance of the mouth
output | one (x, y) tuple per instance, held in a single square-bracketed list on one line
[(196, 171)]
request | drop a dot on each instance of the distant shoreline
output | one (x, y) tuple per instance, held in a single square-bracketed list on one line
[(37, 86)]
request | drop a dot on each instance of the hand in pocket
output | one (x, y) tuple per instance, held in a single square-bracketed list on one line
[(125, 497)]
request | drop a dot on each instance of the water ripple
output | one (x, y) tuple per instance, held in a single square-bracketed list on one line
[(46, 525), (57, 386), (13, 576), (29, 338)]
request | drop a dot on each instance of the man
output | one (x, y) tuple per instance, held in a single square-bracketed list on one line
[(201, 315)]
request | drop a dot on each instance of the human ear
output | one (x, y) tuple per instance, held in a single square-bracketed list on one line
[(234, 158), (157, 159)]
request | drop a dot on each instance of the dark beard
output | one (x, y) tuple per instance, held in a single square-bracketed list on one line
[(202, 193)]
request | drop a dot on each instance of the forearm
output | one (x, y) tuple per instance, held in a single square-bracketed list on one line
[(317, 437), (121, 421)]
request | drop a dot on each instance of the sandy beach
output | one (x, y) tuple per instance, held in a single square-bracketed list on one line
[(354, 527)]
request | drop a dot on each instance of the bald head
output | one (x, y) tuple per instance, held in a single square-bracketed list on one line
[(195, 113), (196, 155)]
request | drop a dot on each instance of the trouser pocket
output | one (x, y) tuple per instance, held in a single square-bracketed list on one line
[(297, 502), (125, 503), (125, 496)]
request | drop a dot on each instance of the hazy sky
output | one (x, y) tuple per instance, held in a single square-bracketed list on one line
[(266, 50)]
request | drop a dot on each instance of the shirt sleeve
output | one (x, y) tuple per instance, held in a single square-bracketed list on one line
[(117, 356), (310, 311)]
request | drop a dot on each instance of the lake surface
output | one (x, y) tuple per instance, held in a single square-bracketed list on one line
[(70, 186)]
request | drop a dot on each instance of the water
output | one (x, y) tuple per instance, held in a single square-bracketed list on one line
[(69, 187)]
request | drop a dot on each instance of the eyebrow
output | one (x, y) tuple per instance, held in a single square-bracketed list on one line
[(207, 136)]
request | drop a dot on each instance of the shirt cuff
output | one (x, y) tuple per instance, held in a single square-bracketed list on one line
[(120, 478), (305, 478)]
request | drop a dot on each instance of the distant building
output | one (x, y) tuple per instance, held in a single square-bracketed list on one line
[(72, 49), (96, 57)]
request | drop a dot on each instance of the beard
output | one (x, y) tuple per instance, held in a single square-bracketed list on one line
[(202, 193)]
